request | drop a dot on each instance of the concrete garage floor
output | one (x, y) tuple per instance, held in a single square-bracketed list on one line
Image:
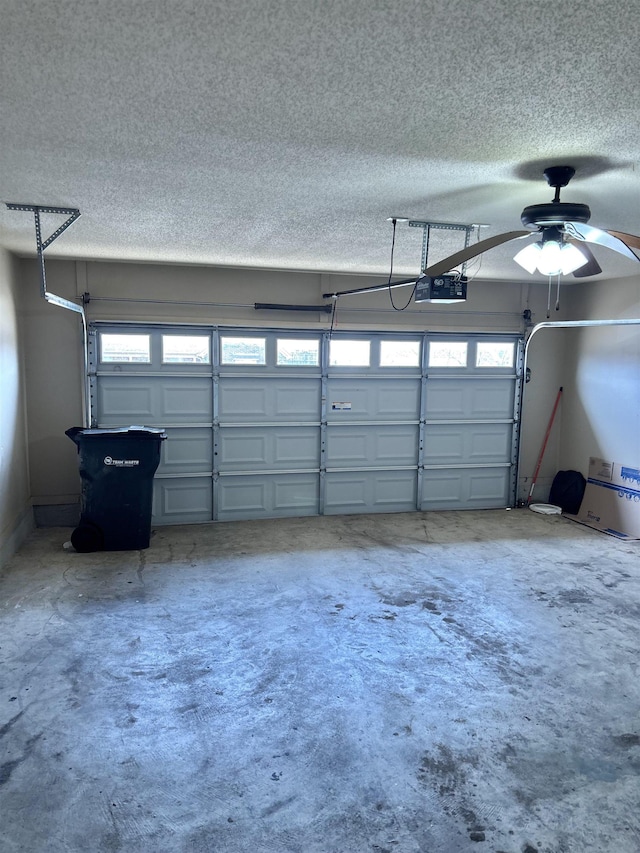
[(441, 682)]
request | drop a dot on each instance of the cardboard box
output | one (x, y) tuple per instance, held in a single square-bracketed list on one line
[(611, 501)]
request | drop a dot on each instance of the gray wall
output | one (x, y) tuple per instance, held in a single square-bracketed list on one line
[(16, 517)]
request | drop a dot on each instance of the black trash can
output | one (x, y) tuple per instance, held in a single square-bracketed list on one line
[(117, 468)]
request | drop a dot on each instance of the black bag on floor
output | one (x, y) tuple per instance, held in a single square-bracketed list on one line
[(567, 491)]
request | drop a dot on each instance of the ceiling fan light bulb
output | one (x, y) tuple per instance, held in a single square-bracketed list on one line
[(550, 258), (528, 257), (571, 258)]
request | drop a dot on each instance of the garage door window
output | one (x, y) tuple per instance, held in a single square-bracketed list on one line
[(495, 354), (349, 353), (448, 354), (125, 348), (399, 353), (185, 349), (294, 353), (243, 350)]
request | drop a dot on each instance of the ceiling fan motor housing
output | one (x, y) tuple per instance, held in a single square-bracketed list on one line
[(554, 213)]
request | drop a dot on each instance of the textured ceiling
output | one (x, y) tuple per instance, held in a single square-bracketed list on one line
[(283, 133)]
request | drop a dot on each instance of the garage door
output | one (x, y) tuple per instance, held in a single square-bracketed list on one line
[(269, 424)]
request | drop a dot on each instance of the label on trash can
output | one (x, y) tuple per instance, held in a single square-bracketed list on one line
[(121, 463)]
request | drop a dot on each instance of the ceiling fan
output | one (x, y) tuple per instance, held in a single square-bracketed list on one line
[(564, 230), (561, 248)]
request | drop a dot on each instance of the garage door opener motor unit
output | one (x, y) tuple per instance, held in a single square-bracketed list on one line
[(443, 288)]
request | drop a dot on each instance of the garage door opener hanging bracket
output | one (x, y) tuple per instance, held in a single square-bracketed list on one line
[(72, 213)]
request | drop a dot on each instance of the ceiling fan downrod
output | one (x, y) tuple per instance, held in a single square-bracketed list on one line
[(555, 212)]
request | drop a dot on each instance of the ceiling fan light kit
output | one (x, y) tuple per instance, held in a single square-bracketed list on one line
[(551, 256)]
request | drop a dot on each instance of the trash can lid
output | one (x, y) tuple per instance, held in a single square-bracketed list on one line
[(132, 431)]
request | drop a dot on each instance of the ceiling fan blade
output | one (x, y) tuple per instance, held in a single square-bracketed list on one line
[(592, 267), (582, 231), (630, 240), (472, 251)]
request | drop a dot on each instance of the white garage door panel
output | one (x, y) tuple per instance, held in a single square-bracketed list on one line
[(242, 451), (346, 492), (298, 448), (125, 400), (244, 497), (493, 399), (369, 491), (371, 446), (154, 400), (295, 491), (186, 400), (258, 448), (459, 488), (489, 487), (187, 450), (442, 489), (243, 400), (297, 399), (460, 443), (463, 398), (272, 496), (374, 398), (491, 443), (182, 500)]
